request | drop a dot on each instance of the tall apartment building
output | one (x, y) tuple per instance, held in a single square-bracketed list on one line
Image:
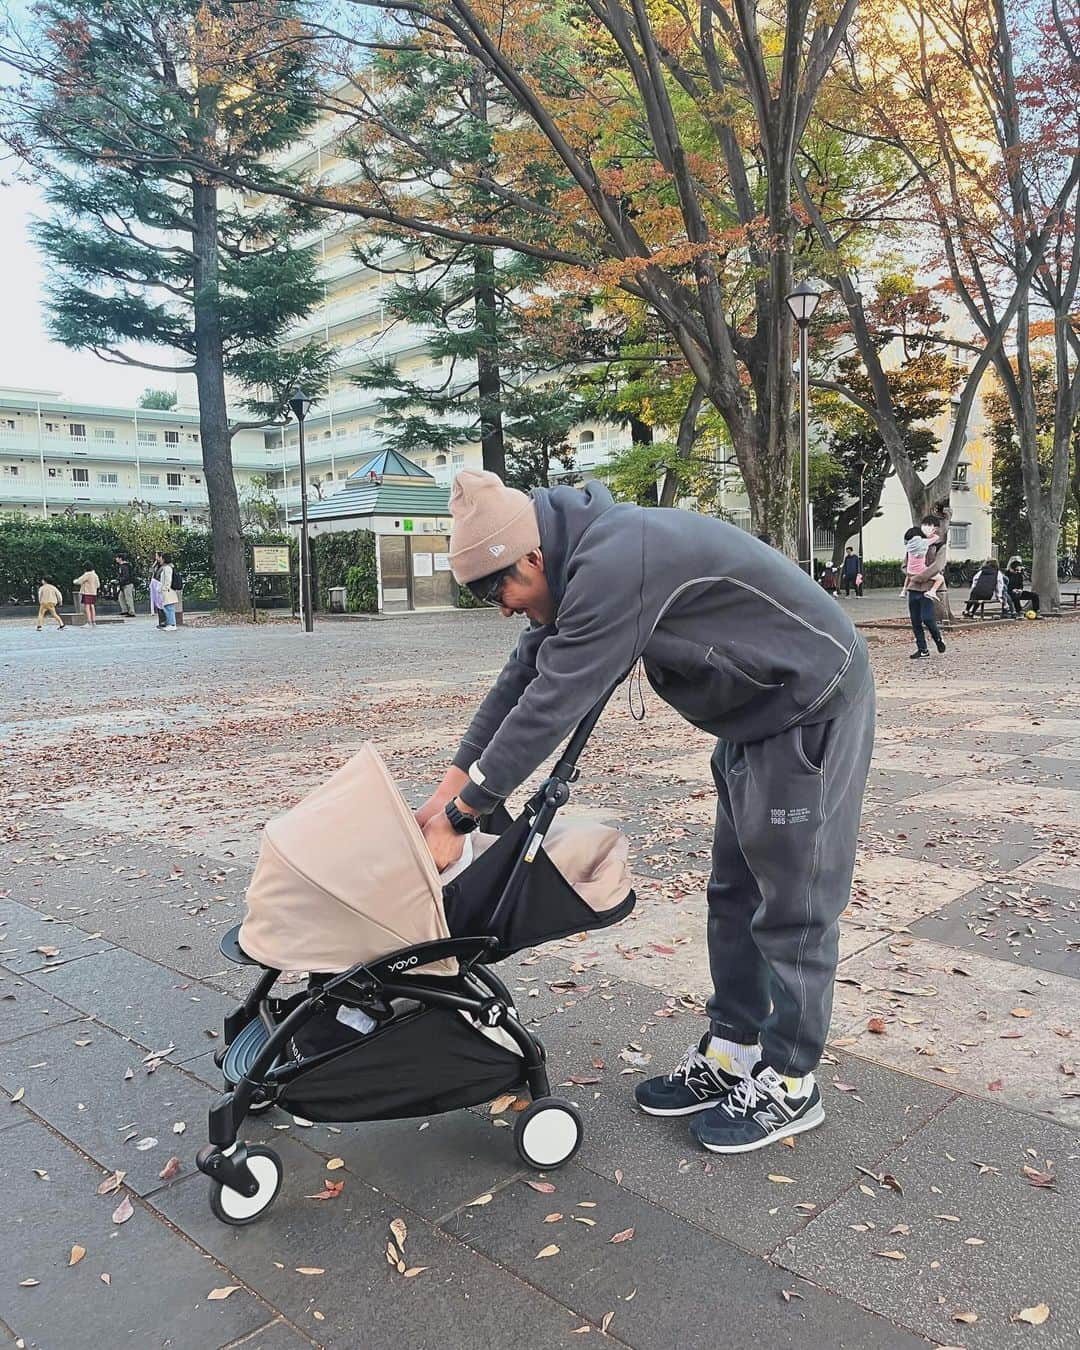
[(59, 457)]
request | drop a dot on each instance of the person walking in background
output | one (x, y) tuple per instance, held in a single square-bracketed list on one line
[(48, 597), (89, 584), (829, 582), (920, 604), (169, 596), (125, 587), (155, 590), (851, 572)]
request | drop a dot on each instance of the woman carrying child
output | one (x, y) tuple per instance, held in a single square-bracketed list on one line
[(924, 567)]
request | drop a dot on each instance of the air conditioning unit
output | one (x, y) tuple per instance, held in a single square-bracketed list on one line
[(429, 527)]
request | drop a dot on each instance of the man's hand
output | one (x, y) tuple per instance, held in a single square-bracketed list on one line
[(452, 783), (443, 841)]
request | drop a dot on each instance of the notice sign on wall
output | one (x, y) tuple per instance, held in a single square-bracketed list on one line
[(270, 561), (442, 562), (421, 565)]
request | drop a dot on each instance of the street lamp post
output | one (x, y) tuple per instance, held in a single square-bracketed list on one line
[(300, 403), (802, 302)]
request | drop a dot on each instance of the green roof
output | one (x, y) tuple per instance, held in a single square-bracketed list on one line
[(370, 497), (390, 464)]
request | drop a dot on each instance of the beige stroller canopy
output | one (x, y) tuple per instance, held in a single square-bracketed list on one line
[(345, 876)]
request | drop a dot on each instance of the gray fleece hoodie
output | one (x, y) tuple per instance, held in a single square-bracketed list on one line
[(732, 635)]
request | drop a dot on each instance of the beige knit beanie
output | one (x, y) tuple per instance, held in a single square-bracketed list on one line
[(493, 526)]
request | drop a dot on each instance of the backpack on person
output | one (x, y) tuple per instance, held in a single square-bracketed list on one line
[(177, 579)]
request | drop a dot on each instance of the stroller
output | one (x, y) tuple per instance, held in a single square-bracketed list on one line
[(420, 983)]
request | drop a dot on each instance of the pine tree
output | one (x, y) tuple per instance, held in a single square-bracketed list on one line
[(148, 258)]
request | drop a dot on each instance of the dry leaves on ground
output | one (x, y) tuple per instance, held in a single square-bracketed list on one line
[(1035, 1316)]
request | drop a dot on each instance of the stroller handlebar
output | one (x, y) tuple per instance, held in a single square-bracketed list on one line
[(566, 768)]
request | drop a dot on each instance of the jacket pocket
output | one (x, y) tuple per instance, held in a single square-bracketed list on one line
[(732, 670), (698, 681)]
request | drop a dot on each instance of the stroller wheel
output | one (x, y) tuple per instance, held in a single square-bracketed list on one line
[(233, 1208), (548, 1133)]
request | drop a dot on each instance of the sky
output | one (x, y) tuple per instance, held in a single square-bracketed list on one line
[(28, 359)]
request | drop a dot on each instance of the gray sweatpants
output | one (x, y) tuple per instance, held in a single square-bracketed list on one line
[(787, 822)]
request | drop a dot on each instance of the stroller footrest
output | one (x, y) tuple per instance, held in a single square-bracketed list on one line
[(244, 1050)]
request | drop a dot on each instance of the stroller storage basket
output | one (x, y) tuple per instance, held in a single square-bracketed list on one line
[(420, 1064), (542, 907)]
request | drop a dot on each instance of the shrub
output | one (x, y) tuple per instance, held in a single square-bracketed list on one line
[(361, 591)]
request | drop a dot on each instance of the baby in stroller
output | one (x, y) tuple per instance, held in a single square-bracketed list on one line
[(346, 888)]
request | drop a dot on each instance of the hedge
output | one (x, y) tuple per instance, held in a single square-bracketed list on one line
[(61, 548), (346, 558)]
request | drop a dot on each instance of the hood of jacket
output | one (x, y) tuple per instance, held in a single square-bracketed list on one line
[(564, 515)]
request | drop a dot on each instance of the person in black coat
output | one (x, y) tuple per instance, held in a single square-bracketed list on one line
[(851, 572)]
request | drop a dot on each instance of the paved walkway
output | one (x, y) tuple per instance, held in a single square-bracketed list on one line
[(937, 1206)]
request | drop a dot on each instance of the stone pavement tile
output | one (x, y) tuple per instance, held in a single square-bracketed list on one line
[(669, 1285), (141, 1000), (1017, 920), (460, 1300), (1031, 1241), (1036, 724), (80, 1091), (1033, 804), (1056, 866), (733, 1196), (158, 1281), (1042, 769), (430, 1165), (24, 1008), (1069, 750), (886, 786), (278, 1335), (985, 845), (23, 931), (955, 1024), (896, 753)]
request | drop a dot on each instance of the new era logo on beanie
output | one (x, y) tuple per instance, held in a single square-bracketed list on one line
[(493, 525)]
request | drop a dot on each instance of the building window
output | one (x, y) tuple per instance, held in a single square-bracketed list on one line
[(104, 434), (54, 473), (148, 438), (80, 476), (172, 438), (193, 436), (50, 426), (960, 476), (176, 520), (77, 431), (8, 423), (109, 479), (172, 480), (149, 480), (960, 534), (12, 469), (440, 461), (458, 461), (586, 438)]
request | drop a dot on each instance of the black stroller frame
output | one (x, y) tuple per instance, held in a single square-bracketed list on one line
[(245, 1179)]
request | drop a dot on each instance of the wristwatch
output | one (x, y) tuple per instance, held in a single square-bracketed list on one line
[(462, 821)]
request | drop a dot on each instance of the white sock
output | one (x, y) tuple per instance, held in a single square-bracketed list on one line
[(733, 1056), (798, 1087)]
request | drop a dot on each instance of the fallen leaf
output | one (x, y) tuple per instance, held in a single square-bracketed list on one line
[(1020, 1012), (781, 1180), (544, 1187), (966, 1317), (891, 1183), (226, 1289), (318, 1316), (876, 1026), (106, 1278), (605, 1321), (1043, 1180), (484, 1199), (789, 1294), (789, 1142), (502, 1103), (28, 1284), (624, 1236), (552, 1218), (146, 1144), (618, 1176), (974, 1242), (1033, 1316), (578, 1218), (550, 1250), (310, 1270), (413, 1271), (77, 1254), (334, 1164), (400, 1232), (330, 1191), (948, 1218), (18, 1095), (893, 1256), (111, 1184), (123, 1211)]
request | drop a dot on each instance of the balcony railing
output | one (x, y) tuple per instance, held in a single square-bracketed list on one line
[(97, 451)]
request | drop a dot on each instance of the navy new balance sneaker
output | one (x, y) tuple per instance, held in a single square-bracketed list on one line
[(757, 1110), (697, 1083)]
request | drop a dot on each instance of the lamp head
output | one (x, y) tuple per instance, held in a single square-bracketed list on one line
[(802, 302), (299, 403)]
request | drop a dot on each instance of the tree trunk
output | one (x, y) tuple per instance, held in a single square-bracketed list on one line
[(489, 376), (684, 447), (230, 571)]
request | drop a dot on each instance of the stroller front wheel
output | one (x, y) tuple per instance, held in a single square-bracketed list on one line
[(548, 1133), (233, 1208)]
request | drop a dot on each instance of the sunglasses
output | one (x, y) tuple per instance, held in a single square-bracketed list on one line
[(488, 590)]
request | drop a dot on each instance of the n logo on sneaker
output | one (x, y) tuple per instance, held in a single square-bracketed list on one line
[(772, 1117)]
